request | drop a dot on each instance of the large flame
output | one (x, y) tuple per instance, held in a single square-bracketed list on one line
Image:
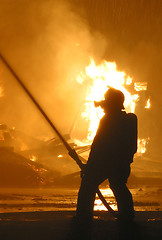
[(98, 78)]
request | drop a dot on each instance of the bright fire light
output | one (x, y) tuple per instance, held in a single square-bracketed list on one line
[(140, 86), (99, 78), (33, 158), (107, 193), (148, 103), (142, 143)]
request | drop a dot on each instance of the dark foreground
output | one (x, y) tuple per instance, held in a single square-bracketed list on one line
[(58, 226)]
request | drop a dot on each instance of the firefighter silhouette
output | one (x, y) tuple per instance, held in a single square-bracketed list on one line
[(110, 157)]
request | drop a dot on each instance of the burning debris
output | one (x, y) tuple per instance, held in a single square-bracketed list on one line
[(40, 163), (47, 165), (18, 170)]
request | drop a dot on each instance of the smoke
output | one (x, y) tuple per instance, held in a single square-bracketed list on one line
[(146, 64), (47, 44), (133, 31)]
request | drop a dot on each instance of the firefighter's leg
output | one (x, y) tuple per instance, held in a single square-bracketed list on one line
[(86, 196), (124, 200), (122, 194), (82, 222)]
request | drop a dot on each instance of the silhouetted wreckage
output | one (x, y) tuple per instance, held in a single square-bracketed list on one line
[(29, 162)]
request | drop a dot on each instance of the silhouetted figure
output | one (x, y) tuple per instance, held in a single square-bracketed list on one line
[(110, 157)]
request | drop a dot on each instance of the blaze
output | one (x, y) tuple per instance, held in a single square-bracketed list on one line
[(99, 78)]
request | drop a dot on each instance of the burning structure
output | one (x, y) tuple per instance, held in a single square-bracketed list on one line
[(98, 78), (68, 58)]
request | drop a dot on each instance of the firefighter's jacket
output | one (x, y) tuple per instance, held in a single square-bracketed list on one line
[(115, 142)]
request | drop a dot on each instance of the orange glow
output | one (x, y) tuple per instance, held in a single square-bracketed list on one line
[(100, 207), (1, 92)]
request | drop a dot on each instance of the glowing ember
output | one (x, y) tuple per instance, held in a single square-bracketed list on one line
[(33, 158), (60, 156), (148, 104)]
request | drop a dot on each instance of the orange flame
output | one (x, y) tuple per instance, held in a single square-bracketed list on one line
[(148, 103), (100, 78)]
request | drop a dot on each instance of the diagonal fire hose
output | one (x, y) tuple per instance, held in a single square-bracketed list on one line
[(71, 151)]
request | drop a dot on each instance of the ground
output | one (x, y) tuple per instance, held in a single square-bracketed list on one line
[(58, 226)]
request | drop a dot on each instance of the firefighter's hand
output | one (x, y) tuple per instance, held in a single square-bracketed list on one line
[(73, 154)]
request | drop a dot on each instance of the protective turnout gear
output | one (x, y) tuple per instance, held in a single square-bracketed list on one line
[(110, 157)]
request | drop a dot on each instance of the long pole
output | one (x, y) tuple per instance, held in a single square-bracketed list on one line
[(71, 151)]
